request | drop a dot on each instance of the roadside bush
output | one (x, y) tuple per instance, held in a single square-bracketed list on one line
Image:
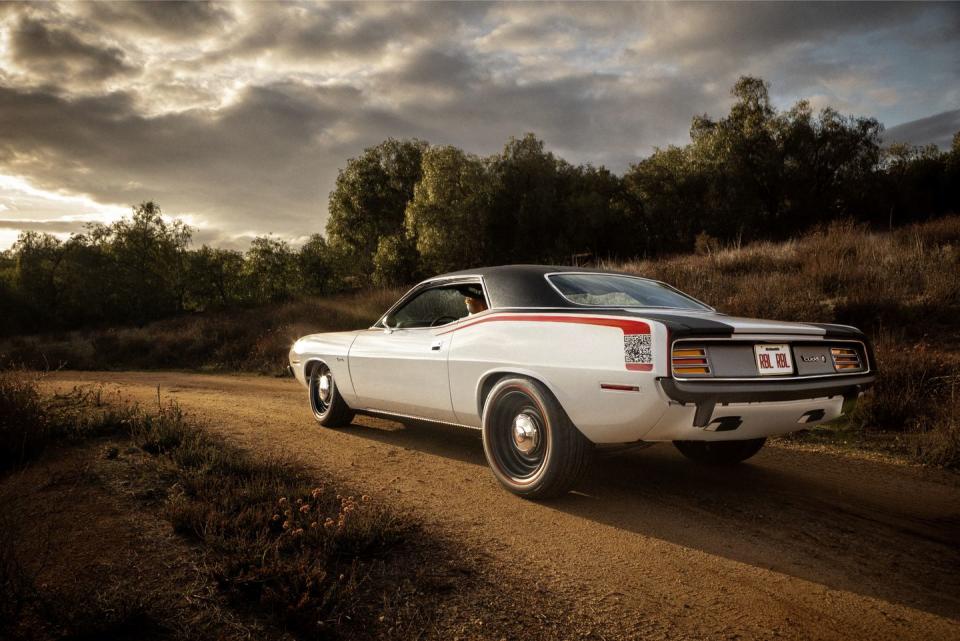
[(317, 561), (298, 550), (25, 421)]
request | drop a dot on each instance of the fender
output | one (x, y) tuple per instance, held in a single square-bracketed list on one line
[(516, 371)]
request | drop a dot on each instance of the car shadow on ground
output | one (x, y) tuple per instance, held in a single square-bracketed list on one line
[(457, 443), (863, 526)]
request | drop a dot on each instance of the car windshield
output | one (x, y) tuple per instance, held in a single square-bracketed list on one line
[(611, 290)]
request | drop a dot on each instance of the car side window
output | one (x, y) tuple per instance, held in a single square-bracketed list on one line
[(432, 308)]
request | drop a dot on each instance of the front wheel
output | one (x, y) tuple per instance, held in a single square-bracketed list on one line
[(533, 448), (720, 452), (328, 406)]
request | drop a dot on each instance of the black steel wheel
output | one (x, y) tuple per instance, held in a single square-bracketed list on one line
[(328, 406), (531, 445), (720, 452)]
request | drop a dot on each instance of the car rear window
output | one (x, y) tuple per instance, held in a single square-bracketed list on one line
[(611, 290)]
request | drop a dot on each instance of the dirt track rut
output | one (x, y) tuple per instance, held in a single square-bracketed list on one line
[(795, 544)]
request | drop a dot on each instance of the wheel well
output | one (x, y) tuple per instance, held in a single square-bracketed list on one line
[(309, 367), (490, 381)]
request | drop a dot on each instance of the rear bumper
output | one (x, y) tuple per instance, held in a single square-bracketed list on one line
[(768, 390), (706, 395)]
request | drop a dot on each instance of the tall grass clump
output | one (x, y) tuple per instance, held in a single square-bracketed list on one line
[(25, 421), (31, 421)]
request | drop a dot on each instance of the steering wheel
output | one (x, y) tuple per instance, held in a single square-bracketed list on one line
[(443, 320)]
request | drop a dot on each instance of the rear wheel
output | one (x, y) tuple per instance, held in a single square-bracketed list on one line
[(720, 452), (532, 447), (328, 406)]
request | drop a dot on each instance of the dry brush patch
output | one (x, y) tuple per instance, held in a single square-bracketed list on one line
[(901, 287), (277, 551), (246, 339), (312, 562)]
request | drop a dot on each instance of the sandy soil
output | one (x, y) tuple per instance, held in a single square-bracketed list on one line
[(795, 544)]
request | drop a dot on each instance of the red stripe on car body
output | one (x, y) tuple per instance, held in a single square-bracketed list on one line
[(628, 326), (631, 327)]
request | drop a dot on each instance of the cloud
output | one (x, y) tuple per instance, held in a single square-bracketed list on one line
[(57, 54), (938, 130), (46, 226), (240, 114), (265, 163), (173, 20)]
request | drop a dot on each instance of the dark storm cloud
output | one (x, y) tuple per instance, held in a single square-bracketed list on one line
[(241, 114), (56, 53), (937, 130), (339, 30), (264, 163), (47, 226), (171, 19), (737, 28)]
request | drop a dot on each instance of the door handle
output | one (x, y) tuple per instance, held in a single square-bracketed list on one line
[(437, 344)]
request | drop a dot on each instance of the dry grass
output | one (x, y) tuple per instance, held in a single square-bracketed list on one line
[(903, 283), (902, 288), (279, 545), (253, 340)]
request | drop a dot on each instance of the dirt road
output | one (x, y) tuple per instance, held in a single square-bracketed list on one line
[(795, 544)]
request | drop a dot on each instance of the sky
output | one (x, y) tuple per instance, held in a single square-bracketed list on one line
[(236, 117)]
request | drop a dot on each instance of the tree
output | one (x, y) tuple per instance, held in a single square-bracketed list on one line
[(668, 195), (215, 278), (370, 198), (149, 255), (38, 258), (395, 262), (448, 216), (317, 271), (523, 224), (271, 270)]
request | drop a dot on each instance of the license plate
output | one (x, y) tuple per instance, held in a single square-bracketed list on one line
[(773, 359)]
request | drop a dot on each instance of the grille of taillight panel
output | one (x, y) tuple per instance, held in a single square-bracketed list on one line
[(845, 359), (689, 361)]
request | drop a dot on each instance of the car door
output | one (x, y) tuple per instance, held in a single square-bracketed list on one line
[(401, 366)]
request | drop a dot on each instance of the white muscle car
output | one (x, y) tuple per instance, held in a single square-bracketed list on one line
[(551, 361)]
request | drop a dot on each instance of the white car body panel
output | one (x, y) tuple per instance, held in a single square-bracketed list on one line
[(402, 371), (581, 355)]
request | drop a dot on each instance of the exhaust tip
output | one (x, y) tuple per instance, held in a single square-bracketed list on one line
[(812, 416)]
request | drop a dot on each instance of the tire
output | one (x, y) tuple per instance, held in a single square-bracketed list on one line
[(550, 454), (328, 406), (720, 452)]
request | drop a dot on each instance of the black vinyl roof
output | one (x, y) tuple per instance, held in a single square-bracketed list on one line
[(523, 285)]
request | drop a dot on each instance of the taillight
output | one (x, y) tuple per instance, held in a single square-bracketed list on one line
[(845, 359), (690, 361)]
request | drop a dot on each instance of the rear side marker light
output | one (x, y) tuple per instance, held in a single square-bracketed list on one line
[(845, 358), (619, 388), (690, 360)]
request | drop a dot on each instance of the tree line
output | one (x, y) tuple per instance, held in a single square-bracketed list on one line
[(405, 209)]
